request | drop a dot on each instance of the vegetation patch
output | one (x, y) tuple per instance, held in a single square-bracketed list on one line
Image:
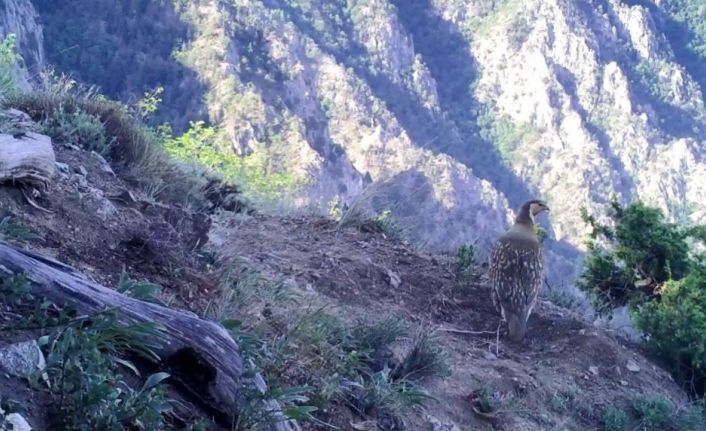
[(657, 268)]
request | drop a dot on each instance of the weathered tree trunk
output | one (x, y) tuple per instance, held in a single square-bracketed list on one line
[(27, 158), (201, 353)]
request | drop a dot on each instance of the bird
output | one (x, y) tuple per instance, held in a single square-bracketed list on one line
[(516, 269)]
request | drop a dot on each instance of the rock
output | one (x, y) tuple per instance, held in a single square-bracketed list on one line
[(593, 370), (82, 170), (395, 279), (15, 422), (79, 180), (623, 383), (15, 115), (104, 165), (632, 366), (489, 356), (437, 425), (62, 167), (22, 359)]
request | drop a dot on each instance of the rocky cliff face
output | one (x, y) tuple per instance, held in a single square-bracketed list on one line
[(18, 17), (446, 112)]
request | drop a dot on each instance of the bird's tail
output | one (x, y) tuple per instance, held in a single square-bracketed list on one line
[(516, 326)]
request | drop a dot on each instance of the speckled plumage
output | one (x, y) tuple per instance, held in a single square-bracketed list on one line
[(516, 270)]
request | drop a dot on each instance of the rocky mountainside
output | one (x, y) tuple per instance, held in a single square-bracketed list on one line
[(447, 113)]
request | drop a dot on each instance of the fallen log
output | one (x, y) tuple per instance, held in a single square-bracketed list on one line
[(201, 351), (27, 158)]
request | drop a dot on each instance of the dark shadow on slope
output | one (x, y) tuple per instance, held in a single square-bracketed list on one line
[(447, 55), (125, 48), (453, 134), (673, 120), (568, 82)]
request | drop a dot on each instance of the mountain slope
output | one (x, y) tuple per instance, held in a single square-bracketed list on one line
[(462, 109)]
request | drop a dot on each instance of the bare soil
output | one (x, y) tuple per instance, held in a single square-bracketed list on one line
[(562, 378)]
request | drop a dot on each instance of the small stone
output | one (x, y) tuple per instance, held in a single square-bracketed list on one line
[(632, 366), (62, 167), (22, 359), (16, 422), (582, 332), (104, 165), (489, 356), (82, 170), (79, 180), (623, 382), (593, 370), (395, 279)]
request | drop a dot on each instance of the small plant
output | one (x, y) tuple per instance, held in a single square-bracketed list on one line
[(465, 260), (484, 401), (8, 62), (77, 127), (424, 360), (654, 413), (84, 364), (142, 290), (11, 230), (615, 419), (385, 224)]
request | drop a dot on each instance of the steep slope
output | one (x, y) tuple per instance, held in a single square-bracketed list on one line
[(18, 17), (455, 111)]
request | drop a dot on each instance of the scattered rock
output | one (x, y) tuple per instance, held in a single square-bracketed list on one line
[(437, 425), (365, 426), (82, 170), (489, 356), (593, 370), (395, 279), (15, 422), (62, 167), (624, 382), (104, 165), (632, 366), (79, 180), (22, 359)]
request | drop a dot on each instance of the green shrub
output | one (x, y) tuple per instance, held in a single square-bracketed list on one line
[(8, 63), (87, 383), (675, 328), (615, 419), (640, 246), (654, 413), (465, 261), (648, 263), (79, 128)]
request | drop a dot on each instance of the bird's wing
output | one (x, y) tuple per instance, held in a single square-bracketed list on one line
[(516, 271)]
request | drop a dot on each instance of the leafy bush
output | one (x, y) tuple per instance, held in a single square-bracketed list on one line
[(90, 390), (465, 260), (675, 328), (8, 62), (648, 263), (654, 413), (615, 419), (202, 144), (79, 128), (627, 260)]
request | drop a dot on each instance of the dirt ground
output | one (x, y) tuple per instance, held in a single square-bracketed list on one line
[(562, 378)]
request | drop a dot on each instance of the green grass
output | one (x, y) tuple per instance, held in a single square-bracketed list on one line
[(304, 347)]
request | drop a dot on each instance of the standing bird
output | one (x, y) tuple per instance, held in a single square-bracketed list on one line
[(516, 266)]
